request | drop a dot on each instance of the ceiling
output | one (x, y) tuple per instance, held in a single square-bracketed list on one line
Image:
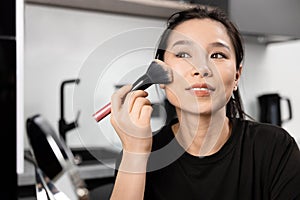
[(150, 8)]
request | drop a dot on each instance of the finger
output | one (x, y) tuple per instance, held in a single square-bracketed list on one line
[(146, 114), (118, 97), (132, 96), (139, 103)]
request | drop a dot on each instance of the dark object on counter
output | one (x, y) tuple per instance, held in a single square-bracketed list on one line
[(64, 127), (270, 108), (94, 155)]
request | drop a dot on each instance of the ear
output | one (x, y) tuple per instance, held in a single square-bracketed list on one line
[(238, 74), (237, 77)]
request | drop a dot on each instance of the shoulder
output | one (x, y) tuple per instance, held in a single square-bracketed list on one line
[(264, 132), (272, 145), (275, 156), (266, 140)]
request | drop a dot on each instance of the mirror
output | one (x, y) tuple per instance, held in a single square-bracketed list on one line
[(54, 162)]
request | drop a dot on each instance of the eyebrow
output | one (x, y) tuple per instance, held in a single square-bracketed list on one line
[(182, 42), (188, 42), (219, 44)]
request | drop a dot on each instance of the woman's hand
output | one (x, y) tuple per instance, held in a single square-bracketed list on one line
[(130, 117)]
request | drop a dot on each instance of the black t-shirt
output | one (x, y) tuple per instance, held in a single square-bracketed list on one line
[(259, 161)]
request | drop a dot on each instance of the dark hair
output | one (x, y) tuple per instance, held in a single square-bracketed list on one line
[(234, 107)]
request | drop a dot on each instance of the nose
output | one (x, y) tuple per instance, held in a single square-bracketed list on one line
[(202, 71)]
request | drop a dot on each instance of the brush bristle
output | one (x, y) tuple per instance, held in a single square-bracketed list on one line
[(159, 72)]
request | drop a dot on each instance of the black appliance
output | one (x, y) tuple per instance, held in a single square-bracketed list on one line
[(271, 108)]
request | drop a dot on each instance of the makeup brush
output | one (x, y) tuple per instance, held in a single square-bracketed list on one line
[(157, 73)]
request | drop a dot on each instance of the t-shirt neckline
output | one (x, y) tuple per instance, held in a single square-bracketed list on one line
[(224, 150)]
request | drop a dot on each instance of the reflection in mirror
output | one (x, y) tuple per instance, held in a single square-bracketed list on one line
[(45, 188)]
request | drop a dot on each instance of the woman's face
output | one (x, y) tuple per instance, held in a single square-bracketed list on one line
[(202, 57)]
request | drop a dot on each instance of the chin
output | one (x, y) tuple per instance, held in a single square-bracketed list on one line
[(203, 110)]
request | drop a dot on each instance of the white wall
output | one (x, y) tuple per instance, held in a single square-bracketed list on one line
[(63, 44), (282, 61)]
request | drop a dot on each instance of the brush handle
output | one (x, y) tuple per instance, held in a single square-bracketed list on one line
[(141, 84), (103, 112)]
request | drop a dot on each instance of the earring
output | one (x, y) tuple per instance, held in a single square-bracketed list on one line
[(232, 96), (235, 87)]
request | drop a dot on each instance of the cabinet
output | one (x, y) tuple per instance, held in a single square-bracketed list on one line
[(268, 20), (261, 21)]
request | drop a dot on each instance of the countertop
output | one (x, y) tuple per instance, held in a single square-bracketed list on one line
[(89, 169)]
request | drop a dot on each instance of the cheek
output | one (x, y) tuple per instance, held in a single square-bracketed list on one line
[(225, 76), (175, 89), (228, 78), (178, 65), (172, 97)]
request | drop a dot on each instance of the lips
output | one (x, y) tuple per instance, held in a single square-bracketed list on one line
[(201, 89), (201, 86)]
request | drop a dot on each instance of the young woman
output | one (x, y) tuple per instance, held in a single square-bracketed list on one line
[(210, 150)]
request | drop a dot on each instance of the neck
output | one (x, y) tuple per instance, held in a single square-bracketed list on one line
[(202, 135)]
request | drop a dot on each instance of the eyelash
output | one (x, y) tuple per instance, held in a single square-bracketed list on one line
[(179, 55), (186, 55), (219, 53)]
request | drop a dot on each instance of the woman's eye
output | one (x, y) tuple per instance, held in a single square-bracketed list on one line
[(218, 55), (183, 55)]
